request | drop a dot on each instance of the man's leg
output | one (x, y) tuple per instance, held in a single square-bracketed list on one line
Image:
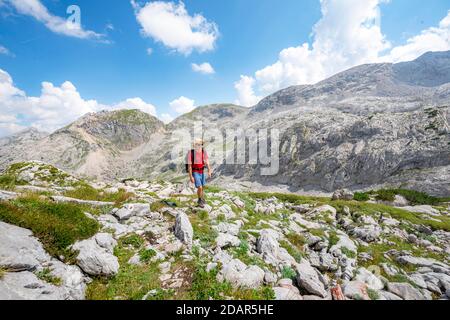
[(200, 197)]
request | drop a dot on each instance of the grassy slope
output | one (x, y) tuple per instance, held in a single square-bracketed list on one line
[(57, 225)]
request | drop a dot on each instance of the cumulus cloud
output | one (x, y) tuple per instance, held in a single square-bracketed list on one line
[(204, 68), (348, 34), (55, 107), (136, 103), (182, 105), (246, 94), (37, 10), (170, 24), (149, 51)]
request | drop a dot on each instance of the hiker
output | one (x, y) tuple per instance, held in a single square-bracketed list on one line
[(197, 160)]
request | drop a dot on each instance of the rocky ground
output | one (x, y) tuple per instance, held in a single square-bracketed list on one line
[(66, 238)]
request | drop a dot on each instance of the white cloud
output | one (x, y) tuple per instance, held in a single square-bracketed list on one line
[(204, 68), (149, 51), (5, 51), (182, 105), (54, 108), (166, 118), (246, 95), (431, 39), (37, 10), (136, 103), (348, 34), (170, 24)]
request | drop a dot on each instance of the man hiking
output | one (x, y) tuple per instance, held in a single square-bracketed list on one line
[(197, 160)]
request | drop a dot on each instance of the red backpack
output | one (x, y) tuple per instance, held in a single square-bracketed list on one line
[(192, 154)]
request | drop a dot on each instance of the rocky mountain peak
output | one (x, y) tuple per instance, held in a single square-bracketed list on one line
[(382, 87), (123, 129)]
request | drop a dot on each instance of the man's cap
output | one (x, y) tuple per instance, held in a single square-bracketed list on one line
[(198, 142)]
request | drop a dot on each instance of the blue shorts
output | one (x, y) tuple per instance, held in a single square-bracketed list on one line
[(200, 179)]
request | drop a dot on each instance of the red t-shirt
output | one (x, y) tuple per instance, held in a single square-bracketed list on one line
[(199, 163)]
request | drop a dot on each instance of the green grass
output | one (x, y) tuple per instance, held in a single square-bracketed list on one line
[(157, 206), (414, 197), (349, 253), (2, 272), (45, 172), (203, 230), (377, 251), (45, 275), (131, 283), (212, 189), (9, 182), (361, 196), (132, 240), (333, 239), (294, 251), (286, 197), (242, 253), (86, 192), (57, 225), (205, 286), (397, 213)]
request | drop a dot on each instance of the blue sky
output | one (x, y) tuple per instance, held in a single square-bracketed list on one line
[(271, 44)]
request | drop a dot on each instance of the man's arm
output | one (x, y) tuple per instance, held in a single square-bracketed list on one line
[(191, 177), (209, 168)]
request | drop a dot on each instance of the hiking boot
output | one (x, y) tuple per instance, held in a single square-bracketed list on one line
[(200, 203)]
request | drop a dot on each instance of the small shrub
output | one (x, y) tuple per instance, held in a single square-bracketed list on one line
[(294, 252), (146, 254), (288, 273), (45, 275), (157, 206), (296, 239), (334, 238), (133, 240), (203, 215), (349, 253), (205, 285), (385, 195), (361, 196), (373, 294)]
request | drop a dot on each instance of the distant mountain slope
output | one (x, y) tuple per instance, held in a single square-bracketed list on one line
[(92, 145), (328, 150), (221, 115), (372, 88)]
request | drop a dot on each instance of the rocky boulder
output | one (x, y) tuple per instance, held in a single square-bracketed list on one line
[(95, 255), (132, 209), (405, 291), (308, 279), (342, 194), (285, 290), (242, 276), (183, 229)]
